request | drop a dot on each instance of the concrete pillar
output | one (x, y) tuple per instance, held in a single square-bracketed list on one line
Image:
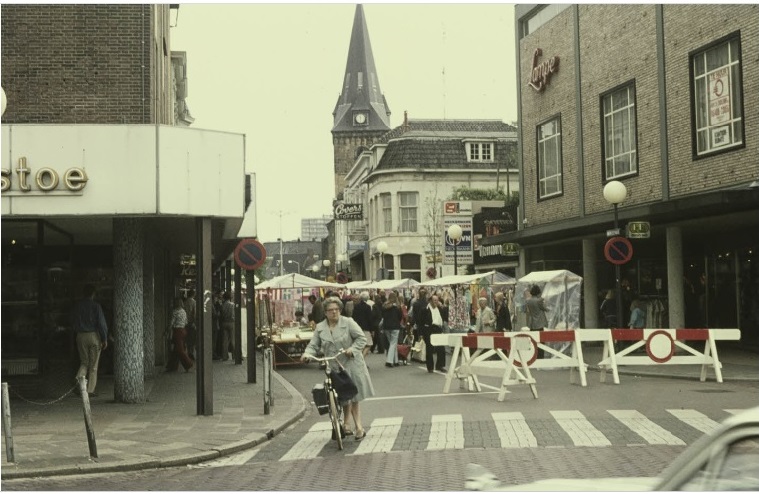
[(148, 310), (675, 293), (590, 283), (129, 375)]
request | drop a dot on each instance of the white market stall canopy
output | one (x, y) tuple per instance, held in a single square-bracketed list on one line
[(354, 285), (555, 276), (295, 280), (491, 277), (561, 290), (392, 284)]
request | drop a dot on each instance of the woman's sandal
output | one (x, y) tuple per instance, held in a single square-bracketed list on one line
[(360, 435), (347, 431)]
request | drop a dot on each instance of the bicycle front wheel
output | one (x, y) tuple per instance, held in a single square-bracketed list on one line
[(334, 414)]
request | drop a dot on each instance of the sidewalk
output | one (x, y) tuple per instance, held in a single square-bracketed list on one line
[(165, 431)]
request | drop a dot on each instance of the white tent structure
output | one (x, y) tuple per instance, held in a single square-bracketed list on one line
[(561, 291), (392, 284), (295, 280), (491, 278), (357, 285)]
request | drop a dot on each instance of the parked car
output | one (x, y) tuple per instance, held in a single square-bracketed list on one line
[(727, 459)]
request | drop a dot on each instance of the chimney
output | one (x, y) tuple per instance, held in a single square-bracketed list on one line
[(406, 125)]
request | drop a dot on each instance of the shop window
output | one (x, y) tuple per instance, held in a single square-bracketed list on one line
[(619, 131), (411, 266), (717, 99), (407, 208), (549, 159)]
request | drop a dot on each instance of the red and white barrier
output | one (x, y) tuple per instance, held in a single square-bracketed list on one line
[(661, 345), (472, 352)]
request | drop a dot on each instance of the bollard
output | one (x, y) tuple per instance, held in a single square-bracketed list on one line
[(88, 417), (9, 453)]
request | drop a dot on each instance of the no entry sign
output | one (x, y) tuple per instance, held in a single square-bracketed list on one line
[(618, 250), (250, 254)]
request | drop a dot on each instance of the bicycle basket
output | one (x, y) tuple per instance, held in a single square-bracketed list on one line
[(321, 400)]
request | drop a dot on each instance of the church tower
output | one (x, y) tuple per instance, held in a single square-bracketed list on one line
[(361, 114)]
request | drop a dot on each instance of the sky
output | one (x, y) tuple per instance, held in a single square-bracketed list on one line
[(274, 72)]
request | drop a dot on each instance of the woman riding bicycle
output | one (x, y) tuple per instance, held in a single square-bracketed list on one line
[(330, 336)]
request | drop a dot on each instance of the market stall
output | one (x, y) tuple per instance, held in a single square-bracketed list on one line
[(281, 297), (466, 289), (561, 291)]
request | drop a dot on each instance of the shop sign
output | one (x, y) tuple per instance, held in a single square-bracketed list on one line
[(639, 229), (344, 211), (719, 96), (540, 75), (453, 208), (46, 179), (356, 245), (510, 249)]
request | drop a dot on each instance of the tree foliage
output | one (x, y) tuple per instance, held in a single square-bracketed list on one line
[(465, 193)]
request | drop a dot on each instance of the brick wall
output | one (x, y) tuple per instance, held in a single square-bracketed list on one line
[(78, 63), (345, 146), (688, 28), (558, 98), (618, 45)]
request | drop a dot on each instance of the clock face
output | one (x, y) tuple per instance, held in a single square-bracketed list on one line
[(360, 118)]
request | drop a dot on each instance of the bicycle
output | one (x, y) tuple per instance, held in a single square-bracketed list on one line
[(326, 401), (268, 368)]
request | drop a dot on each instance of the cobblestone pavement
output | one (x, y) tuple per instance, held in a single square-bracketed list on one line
[(166, 431)]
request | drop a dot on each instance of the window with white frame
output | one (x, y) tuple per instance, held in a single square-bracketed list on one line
[(717, 96), (387, 213), (411, 266), (619, 130), (480, 151), (407, 209), (549, 159)]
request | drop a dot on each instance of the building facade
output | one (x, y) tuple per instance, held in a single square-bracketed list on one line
[(658, 98), (104, 183), (403, 183)]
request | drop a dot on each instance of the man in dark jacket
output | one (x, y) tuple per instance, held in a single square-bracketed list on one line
[(431, 320), (362, 314), (502, 313), (317, 310), (417, 307)]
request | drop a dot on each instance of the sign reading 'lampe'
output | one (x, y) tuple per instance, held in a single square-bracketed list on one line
[(540, 75)]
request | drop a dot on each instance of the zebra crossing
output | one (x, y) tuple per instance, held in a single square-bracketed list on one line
[(565, 428)]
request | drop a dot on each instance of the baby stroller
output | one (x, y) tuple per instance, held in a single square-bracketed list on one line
[(404, 347)]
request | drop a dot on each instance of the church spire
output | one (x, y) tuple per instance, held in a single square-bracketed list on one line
[(361, 105)]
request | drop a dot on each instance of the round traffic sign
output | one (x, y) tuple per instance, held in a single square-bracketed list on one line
[(250, 254), (618, 250)]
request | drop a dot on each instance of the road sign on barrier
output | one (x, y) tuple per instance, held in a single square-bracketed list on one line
[(250, 254), (618, 250)]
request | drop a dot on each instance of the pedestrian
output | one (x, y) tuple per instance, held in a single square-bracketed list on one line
[(485, 317), (502, 313), (392, 317), (178, 326), (608, 310), (417, 307), (338, 332), (227, 321), (377, 324), (216, 326), (190, 307), (431, 322), (317, 309), (637, 315), (536, 313), (362, 314), (88, 322)]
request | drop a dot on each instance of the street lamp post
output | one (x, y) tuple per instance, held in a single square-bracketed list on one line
[(454, 233), (382, 248), (290, 261), (326, 264), (615, 193)]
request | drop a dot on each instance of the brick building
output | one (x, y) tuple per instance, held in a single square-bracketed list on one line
[(104, 183), (656, 97)]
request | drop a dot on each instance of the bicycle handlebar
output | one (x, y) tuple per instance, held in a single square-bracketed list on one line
[(325, 359)]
